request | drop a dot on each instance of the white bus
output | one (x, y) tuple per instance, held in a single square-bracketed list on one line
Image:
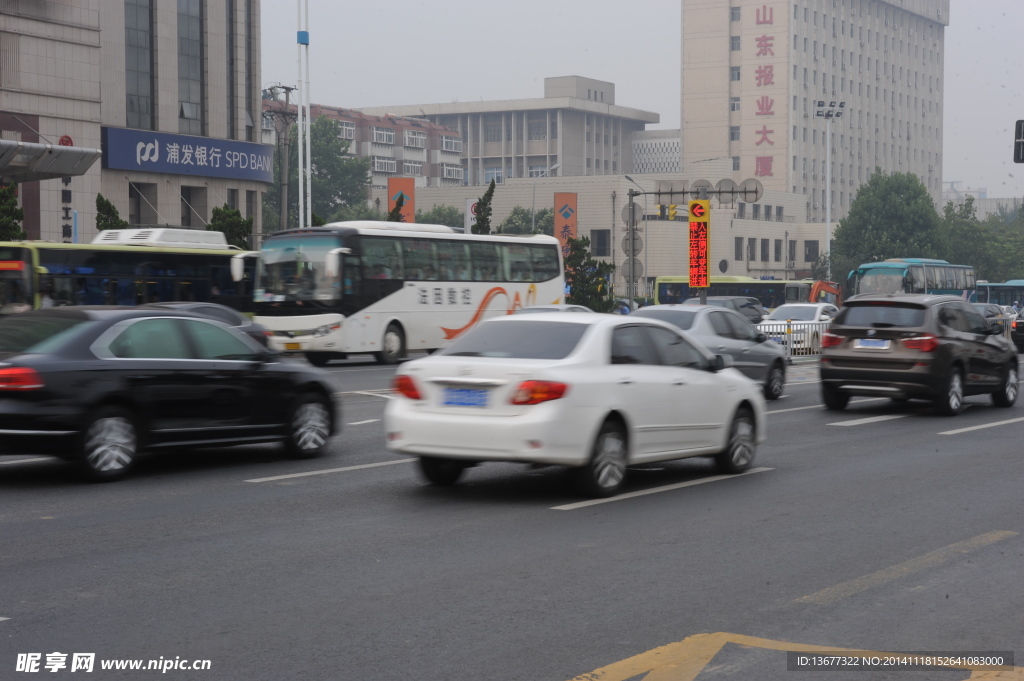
[(388, 287)]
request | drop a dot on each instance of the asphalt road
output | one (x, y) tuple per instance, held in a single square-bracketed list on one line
[(874, 529)]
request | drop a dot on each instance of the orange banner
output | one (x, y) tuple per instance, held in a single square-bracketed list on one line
[(565, 219), (403, 186)]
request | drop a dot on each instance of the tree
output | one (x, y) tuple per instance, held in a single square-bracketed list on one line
[(588, 280), (395, 214), (519, 222), (229, 221), (11, 215), (358, 211), (483, 211), (107, 216), (339, 180), (442, 215), (892, 216)]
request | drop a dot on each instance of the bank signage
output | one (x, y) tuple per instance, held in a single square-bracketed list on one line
[(161, 152)]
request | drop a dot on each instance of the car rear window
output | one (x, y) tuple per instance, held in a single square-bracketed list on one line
[(38, 334), (796, 313), (519, 340), (716, 303), (881, 315), (680, 318)]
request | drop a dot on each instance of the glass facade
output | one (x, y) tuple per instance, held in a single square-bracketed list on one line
[(138, 53), (190, 68)]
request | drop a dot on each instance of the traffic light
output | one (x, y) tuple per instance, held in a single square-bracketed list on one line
[(661, 211), (672, 211)]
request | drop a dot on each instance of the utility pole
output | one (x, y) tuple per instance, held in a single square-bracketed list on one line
[(283, 119)]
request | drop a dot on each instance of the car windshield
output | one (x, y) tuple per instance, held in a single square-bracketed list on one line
[(682, 319), (519, 340), (798, 313), (881, 315), (37, 333), (881, 280), (295, 268)]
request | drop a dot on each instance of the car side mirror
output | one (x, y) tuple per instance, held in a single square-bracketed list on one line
[(265, 356), (824, 318), (721, 362), (761, 338)]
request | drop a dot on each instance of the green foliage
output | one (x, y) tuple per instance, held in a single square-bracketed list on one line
[(236, 230), (519, 222), (994, 247), (107, 216), (11, 215), (588, 278), (483, 211), (442, 215), (358, 211), (395, 214), (317, 220), (338, 181)]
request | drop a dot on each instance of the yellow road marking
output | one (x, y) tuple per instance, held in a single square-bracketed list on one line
[(686, 659), (889, 574)]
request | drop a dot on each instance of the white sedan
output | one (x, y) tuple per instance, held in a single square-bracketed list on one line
[(799, 324), (593, 392)]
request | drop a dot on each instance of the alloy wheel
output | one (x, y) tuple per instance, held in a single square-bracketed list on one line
[(110, 444), (310, 425)]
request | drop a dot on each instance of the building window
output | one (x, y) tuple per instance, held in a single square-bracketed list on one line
[(383, 135), (601, 242), (537, 128), (492, 131), (755, 211), (451, 172), (383, 164), (735, 162), (741, 211), (191, 85), (250, 204), (734, 14), (734, 133), (452, 144), (752, 248), (792, 251), (734, 43), (346, 130), (738, 241), (414, 168), (416, 139), (138, 61), (811, 250), (233, 199), (764, 249), (493, 173), (778, 249), (537, 171), (554, 127), (734, 73), (734, 104), (778, 211)]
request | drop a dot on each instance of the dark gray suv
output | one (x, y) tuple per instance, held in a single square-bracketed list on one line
[(930, 347)]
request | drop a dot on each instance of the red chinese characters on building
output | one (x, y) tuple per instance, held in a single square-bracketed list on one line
[(764, 46), (763, 166), (765, 106), (764, 132), (765, 15), (699, 255), (765, 75)]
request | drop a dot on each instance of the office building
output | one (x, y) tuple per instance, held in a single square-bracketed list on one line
[(657, 151)]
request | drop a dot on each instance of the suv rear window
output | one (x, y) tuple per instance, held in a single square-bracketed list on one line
[(680, 318), (881, 315), (519, 339), (38, 333)]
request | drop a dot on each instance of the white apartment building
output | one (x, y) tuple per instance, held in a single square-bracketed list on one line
[(754, 72), (657, 151)]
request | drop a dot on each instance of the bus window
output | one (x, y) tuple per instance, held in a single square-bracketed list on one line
[(933, 276), (545, 262), (486, 261), (453, 260), (381, 258), (916, 279), (420, 263), (960, 280), (517, 262)]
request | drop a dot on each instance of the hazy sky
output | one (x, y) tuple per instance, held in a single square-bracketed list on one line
[(414, 52)]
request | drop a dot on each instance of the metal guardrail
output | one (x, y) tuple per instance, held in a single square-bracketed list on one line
[(800, 340)]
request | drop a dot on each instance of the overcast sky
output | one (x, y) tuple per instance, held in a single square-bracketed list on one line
[(414, 52)]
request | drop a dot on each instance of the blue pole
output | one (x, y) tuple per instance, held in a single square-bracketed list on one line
[(74, 226)]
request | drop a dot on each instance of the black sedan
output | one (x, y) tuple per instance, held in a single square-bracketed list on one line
[(98, 385), (222, 313)]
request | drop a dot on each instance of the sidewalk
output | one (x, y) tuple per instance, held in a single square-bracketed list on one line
[(803, 371)]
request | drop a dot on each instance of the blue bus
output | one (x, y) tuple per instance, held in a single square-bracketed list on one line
[(1005, 293), (913, 275)]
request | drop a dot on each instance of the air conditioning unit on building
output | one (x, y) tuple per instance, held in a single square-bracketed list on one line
[(790, 264)]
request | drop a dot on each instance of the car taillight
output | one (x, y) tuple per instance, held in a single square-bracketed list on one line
[(1014, 324), (405, 386), (535, 392), (830, 340), (20, 378), (925, 343)]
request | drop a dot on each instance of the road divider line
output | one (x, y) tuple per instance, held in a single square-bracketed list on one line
[(11, 463), (890, 574), (330, 470), (655, 490), (4, 619), (821, 406), (362, 423), (870, 419), (987, 425)]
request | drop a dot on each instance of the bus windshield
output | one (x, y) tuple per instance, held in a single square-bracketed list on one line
[(295, 268), (880, 280), (15, 284)]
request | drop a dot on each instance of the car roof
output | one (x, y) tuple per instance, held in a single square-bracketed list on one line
[(919, 298), (101, 312), (597, 319)]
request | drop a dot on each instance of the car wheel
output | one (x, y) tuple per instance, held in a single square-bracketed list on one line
[(309, 426), (951, 398), (393, 345), (835, 400), (775, 382), (318, 359), (442, 472), (739, 453), (1006, 396), (110, 444), (605, 473)]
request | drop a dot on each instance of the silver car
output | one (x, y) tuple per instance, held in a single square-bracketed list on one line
[(726, 332)]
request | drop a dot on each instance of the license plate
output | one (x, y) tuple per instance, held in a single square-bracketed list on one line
[(465, 397), (872, 343), (293, 346)]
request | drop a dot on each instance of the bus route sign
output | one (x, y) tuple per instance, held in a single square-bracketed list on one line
[(700, 243)]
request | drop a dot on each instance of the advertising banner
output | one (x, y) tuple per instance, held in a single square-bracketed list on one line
[(565, 219), (403, 186)]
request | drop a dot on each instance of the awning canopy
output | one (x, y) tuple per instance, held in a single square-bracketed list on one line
[(30, 161)]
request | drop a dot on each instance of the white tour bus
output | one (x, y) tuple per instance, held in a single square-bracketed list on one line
[(388, 287)]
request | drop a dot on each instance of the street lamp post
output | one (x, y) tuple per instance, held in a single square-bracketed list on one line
[(533, 206), (647, 234), (833, 110)]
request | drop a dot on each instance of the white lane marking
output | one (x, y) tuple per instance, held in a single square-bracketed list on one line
[(655, 490), (870, 419), (4, 619), (987, 425), (330, 470), (11, 463), (820, 406), (360, 423)]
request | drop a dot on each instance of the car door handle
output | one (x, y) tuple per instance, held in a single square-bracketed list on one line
[(721, 347), (625, 381), (745, 351), (679, 381)]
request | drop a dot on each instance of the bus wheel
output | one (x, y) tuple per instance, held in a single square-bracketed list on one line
[(318, 359), (393, 345)]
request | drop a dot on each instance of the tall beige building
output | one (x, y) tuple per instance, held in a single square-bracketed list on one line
[(754, 73)]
